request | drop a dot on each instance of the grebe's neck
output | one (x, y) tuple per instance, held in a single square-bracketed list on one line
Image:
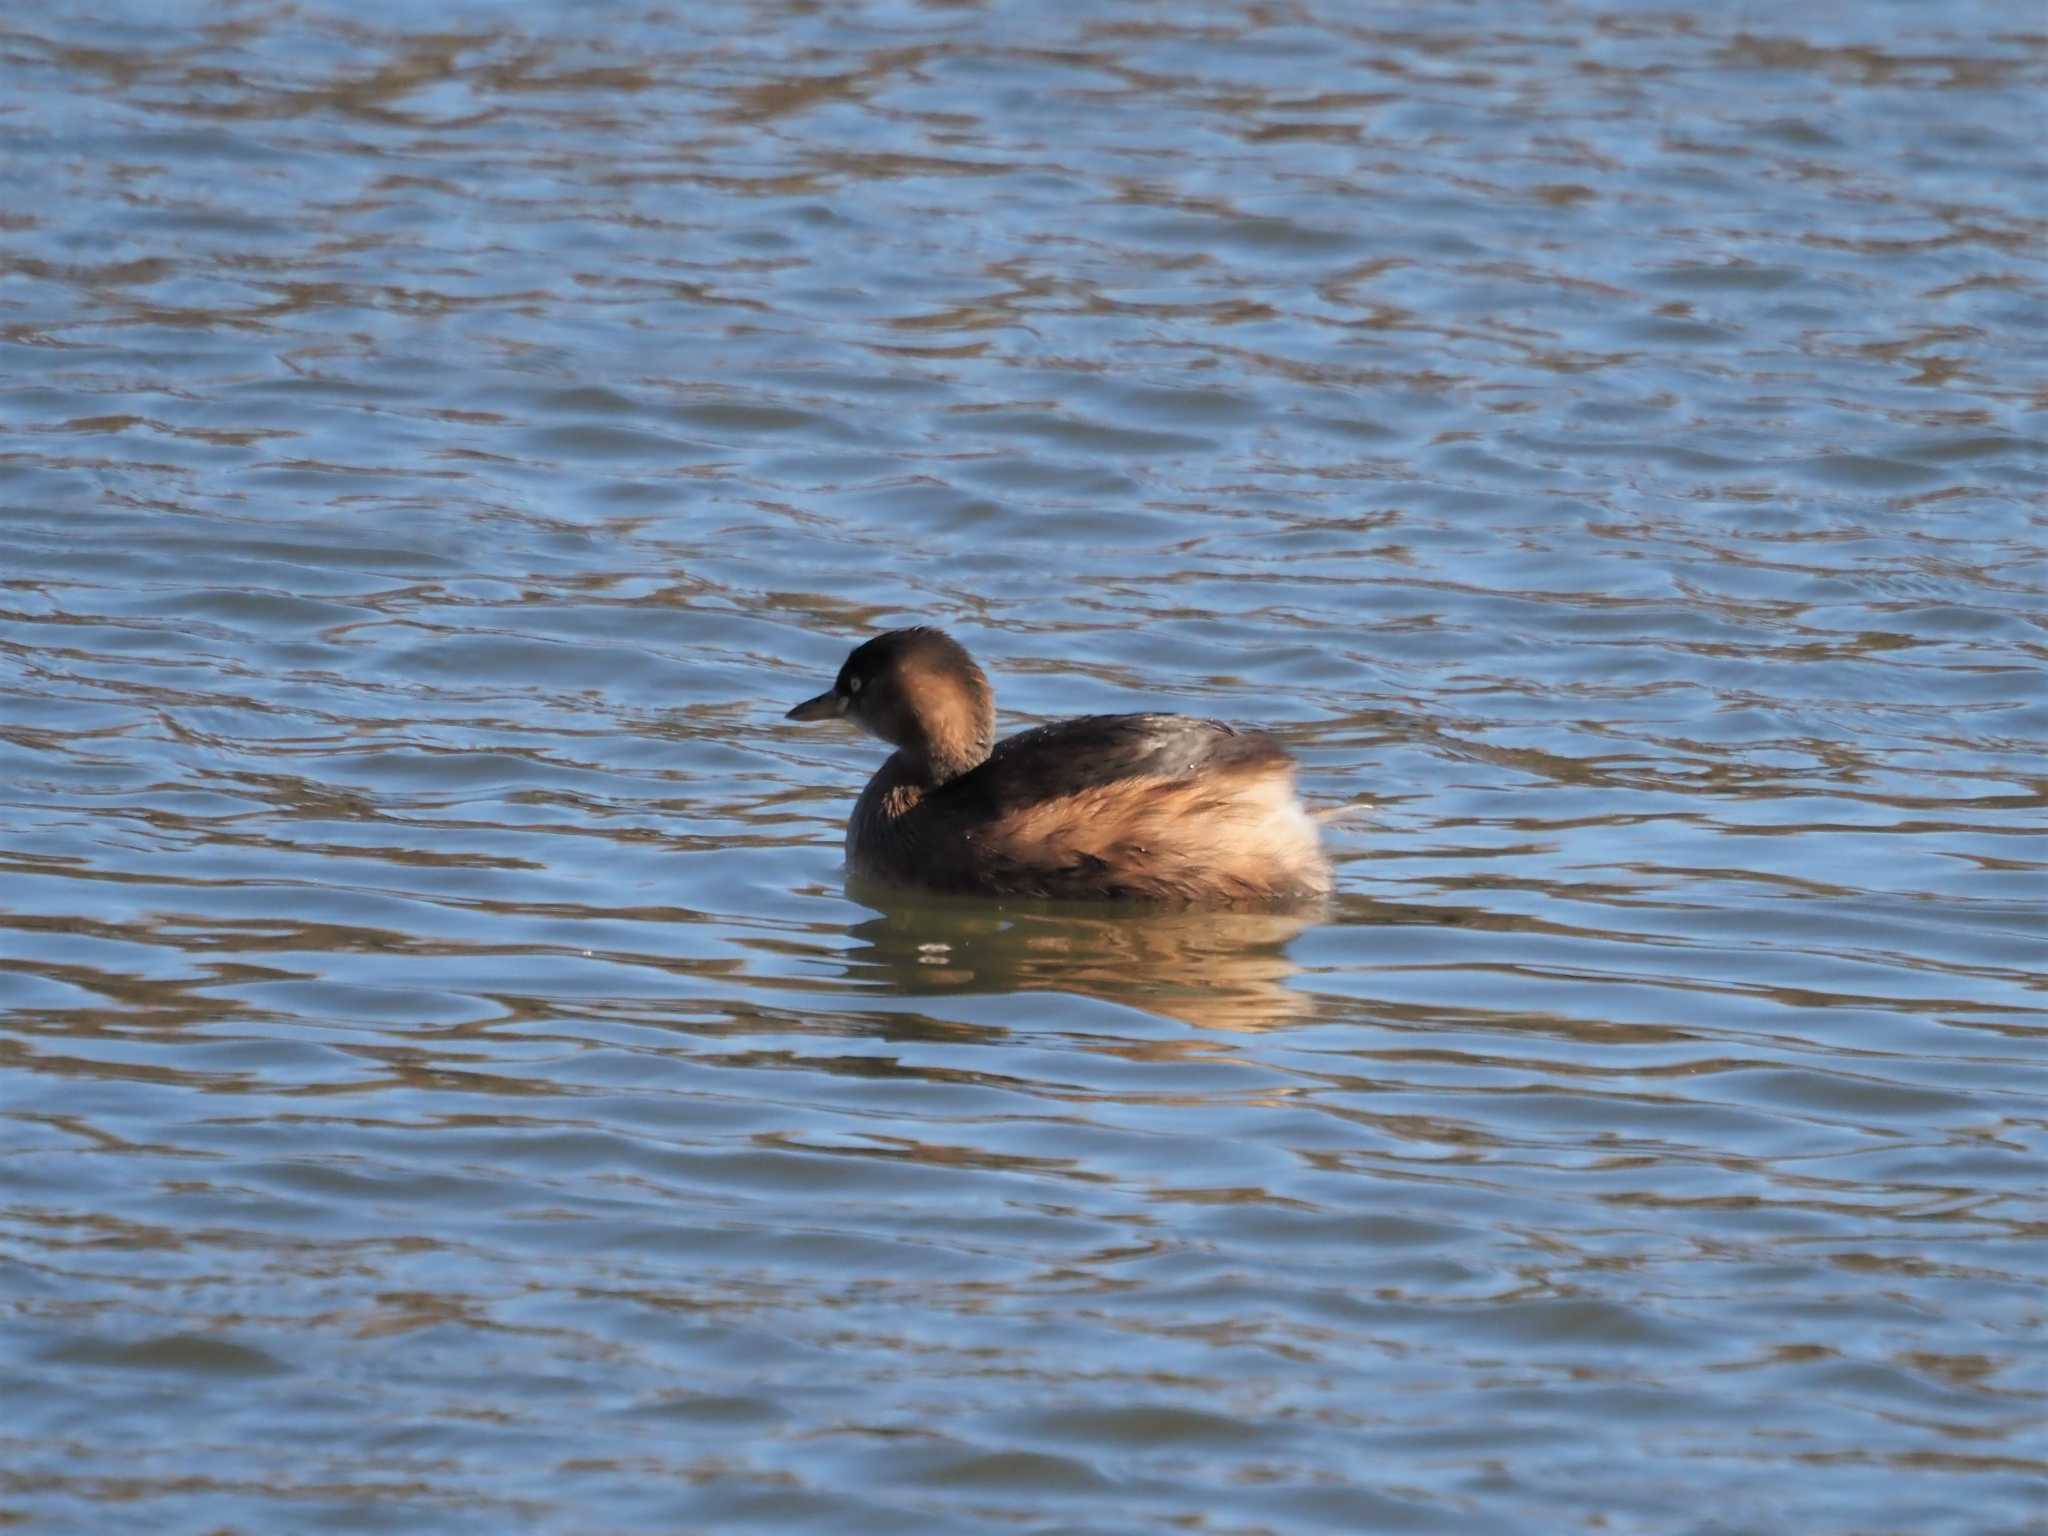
[(952, 722)]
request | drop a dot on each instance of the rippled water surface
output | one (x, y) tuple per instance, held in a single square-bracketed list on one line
[(447, 1082)]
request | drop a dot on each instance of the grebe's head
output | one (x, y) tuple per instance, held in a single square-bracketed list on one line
[(917, 689)]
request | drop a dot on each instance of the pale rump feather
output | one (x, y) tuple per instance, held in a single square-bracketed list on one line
[(1170, 831)]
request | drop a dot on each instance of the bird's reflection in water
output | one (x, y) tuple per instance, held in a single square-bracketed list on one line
[(1216, 970)]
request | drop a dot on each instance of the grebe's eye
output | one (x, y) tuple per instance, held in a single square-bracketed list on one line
[(853, 685)]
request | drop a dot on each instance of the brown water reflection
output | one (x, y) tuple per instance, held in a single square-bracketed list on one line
[(1212, 970)]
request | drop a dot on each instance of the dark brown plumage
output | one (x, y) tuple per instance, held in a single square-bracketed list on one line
[(1155, 808)]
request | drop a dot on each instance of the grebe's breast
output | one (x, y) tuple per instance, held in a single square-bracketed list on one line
[(1121, 807)]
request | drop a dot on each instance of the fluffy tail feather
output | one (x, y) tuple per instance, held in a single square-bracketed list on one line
[(1351, 810)]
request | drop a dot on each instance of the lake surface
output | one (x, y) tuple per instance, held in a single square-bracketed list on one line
[(445, 1082)]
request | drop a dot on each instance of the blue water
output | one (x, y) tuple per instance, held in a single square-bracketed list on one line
[(445, 1080)]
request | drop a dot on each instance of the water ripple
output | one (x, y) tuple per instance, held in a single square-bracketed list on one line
[(448, 1078)]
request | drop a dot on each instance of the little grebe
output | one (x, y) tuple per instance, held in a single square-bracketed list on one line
[(1157, 808)]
